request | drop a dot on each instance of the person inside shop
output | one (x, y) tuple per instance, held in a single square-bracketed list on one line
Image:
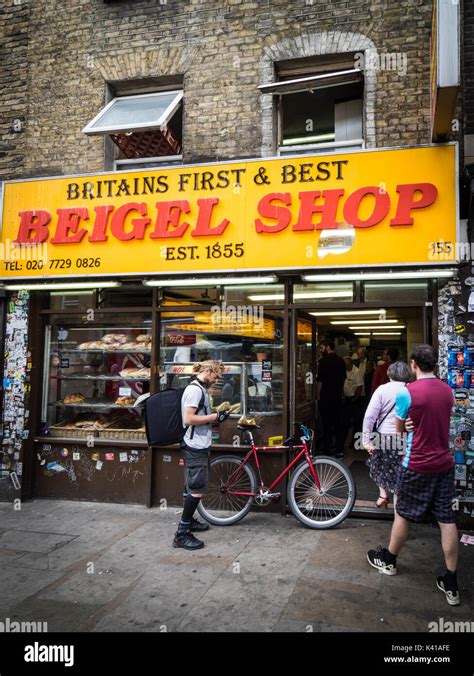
[(359, 359), (196, 447), (330, 383), (368, 378), (231, 390), (390, 356), (351, 400), (342, 347)]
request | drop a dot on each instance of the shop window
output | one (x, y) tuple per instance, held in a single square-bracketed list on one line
[(189, 296), (95, 369), (64, 301), (239, 297), (393, 291), (145, 129), (252, 351), (126, 296), (323, 292), (319, 105)]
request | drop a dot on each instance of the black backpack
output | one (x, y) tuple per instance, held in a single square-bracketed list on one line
[(163, 419)]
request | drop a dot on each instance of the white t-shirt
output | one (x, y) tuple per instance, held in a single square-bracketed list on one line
[(352, 382), (202, 437)]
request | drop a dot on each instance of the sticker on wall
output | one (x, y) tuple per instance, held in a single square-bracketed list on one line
[(110, 456), (15, 482), (76, 455), (55, 467), (460, 472), (95, 457), (123, 457), (167, 458), (98, 464), (64, 452)]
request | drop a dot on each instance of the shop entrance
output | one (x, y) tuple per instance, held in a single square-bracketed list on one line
[(366, 339)]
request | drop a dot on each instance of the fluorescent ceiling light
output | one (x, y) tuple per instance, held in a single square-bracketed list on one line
[(391, 333), (58, 287), (301, 296), (362, 334), (211, 281), (340, 313), (419, 285), (374, 328), (365, 321), (361, 276)]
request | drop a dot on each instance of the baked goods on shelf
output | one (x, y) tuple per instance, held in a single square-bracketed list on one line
[(143, 338), (76, 398), (124, 401), (143, 373), (115, 338), (91, 345)]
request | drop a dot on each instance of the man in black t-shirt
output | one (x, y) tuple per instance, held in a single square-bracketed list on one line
[(330, 383)]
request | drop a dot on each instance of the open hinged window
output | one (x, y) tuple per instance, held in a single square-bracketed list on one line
[(319, 104), (144, 127)]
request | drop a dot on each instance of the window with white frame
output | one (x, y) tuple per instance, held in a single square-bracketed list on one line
[(319, 105), (143, 130)]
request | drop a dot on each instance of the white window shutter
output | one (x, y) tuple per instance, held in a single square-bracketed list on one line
[(348, 120)]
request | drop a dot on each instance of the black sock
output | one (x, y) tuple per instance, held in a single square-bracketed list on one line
[(390, 558), (451, 575), (190, 504)]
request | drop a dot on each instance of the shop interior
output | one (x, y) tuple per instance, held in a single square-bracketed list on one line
[(364, 336)]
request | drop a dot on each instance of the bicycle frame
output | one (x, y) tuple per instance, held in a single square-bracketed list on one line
[(253, 452)]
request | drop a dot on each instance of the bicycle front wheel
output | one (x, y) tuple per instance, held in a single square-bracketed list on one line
[(328, 505), (220, 506)]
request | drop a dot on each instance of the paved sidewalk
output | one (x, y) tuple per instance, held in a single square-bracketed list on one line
[(98, 567)]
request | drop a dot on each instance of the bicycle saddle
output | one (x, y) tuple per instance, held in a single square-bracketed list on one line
[(247, 423)]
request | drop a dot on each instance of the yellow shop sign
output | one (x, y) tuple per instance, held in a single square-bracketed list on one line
[(355, 209)]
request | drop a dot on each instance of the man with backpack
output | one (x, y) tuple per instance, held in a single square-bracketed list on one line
[(196, 446)]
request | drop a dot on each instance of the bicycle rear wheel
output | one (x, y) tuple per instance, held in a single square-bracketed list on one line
[(325, 507), (219, 507)]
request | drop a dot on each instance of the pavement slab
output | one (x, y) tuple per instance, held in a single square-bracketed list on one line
[(103, 568)]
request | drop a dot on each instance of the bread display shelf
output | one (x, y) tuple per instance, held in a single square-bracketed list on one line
[(92, 404), (131, 350), (86, 377), (61, 430), (117, 433)]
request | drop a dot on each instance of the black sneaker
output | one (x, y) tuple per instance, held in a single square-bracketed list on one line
[(187, 541), (450, 588), (378, 559), (198, 526)]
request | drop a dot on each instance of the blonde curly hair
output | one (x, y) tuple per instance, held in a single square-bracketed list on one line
[(213, 365)]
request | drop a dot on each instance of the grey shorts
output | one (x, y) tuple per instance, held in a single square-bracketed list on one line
[(196, 469)]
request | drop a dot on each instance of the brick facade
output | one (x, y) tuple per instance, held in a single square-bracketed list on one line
[(62, 54)]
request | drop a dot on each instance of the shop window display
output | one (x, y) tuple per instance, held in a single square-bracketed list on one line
[(94, 371), (252, 351)]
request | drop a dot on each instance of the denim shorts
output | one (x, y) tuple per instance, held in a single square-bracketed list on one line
[(196, 469)]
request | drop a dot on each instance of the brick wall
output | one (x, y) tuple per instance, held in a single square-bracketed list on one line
[(221, 47), (14, 23), (468, 67)]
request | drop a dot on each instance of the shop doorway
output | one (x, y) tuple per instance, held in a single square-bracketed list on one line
[(362, 337)]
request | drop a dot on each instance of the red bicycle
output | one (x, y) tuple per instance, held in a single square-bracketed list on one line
[(321, 490)]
